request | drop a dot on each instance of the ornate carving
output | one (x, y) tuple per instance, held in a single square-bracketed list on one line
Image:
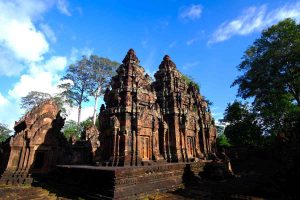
[(37, 144)]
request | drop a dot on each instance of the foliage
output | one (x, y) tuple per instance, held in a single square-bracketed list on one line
[(236, 112), (34, 98), (243, 129), (271, 75), (209, 103), (102, 71), (70, 129), (220, 129), (77, 84), (4, 132), (222, 141), (85, 125), (89, 76), (188, 79)]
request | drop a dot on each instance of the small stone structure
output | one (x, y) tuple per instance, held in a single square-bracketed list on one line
[(37, 145)]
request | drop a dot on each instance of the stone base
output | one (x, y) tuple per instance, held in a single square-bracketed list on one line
[(16, 178), (126, 182)]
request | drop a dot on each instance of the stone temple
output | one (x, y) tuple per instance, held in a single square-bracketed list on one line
[(150, 134), (145, 123)]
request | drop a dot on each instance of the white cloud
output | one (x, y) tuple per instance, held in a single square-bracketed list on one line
[(23, 39), (254, 19), (9, 64), (85, 113), (55, 63), (23, 47), (62, 6), (21, 42), (42, 77), (148, 63), (3, 100), (42, 82), (199, 35), (191, 12), (78, 53), (217, 115), (10, 113), (172, 44), (47, 30), (18, 34), (192, 41), (190, 65)]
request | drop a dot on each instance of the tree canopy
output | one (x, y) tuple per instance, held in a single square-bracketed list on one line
[(271, 75), (34, 98), (89, 76), (70, 128), (243, 129), (77, 84), (4, 132), (102, 71)]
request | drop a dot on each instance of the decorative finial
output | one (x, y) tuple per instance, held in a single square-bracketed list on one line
[(167, 62), (167, 58), (130, 57)]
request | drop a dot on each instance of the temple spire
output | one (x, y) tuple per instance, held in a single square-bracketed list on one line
[(167, 63), (130, 58)]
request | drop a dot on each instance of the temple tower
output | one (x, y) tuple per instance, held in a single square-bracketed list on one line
[(130, 121), (182, 110)]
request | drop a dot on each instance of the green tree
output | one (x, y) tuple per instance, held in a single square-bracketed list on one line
[(222, 141), (70, 129), (34, 98), (84, 125), (243, 128), (103, 69), (236, 112), (77, 84), (271, 75), (4, 132)]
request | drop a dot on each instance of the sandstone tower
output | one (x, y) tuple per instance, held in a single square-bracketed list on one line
[(144, 123)]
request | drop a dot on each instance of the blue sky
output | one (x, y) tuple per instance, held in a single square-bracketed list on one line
[(206, 40)]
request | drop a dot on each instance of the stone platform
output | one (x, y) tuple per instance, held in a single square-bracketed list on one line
[(126, 182)]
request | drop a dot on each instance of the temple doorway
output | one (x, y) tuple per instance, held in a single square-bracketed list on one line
[(145, 148)]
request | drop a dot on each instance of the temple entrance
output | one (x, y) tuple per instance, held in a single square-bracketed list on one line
[(190, 146), (39, 160), (145, 148)]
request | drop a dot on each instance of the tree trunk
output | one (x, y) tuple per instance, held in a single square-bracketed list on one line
[(96, 96), (78, 120)]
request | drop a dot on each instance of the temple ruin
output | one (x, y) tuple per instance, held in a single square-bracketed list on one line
[(37, 145), (148, 122), (150, 134)]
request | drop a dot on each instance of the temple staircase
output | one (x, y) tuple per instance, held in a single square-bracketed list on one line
[(16, 178)]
